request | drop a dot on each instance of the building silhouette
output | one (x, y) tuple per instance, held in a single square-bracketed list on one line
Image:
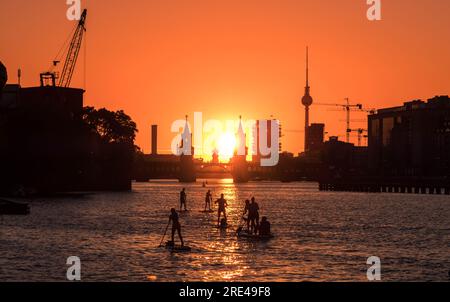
[(315, 137), (40, 138), (215, 157), (239, 160), (45, 147), (187, 164), (412, 140), (408, 151), (342, 159)]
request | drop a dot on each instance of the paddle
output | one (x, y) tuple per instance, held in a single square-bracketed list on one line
[(243, 219), (165, 232), (239, 229)]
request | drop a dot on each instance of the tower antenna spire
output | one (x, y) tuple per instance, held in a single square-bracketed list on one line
[(307, 101), (307, 66)]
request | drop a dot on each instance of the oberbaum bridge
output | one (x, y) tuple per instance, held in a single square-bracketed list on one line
[(186, 168)]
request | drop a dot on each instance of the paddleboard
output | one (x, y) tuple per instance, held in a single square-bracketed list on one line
[(246, 235), (177, 248), (207, 211), (222, 227)]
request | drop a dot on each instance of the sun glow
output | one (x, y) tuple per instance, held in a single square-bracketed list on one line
[(226, 145)]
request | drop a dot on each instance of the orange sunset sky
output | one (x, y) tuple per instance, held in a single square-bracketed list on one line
[(161, 59)]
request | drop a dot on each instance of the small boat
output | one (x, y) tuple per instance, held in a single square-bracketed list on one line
[(172, 247), (8, 207)]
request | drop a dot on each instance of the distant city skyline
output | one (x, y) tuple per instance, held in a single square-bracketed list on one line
[(165, 60)]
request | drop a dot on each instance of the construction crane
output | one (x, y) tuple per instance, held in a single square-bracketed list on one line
[(72, 55), (360, 133), (65, 77), (348, 108)]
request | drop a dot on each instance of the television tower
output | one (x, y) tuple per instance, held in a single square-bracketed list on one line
[(307, 100)]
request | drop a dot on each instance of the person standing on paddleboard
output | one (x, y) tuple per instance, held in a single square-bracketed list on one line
[(183, 198), (253, 215), (222, 205), (176, 226), (208, 199)]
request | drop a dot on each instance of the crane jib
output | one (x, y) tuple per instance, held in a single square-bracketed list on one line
[(74, 50)]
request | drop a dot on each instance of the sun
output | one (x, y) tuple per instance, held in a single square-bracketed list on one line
[(226, 144)]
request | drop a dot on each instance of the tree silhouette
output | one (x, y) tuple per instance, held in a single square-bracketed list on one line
[(3, 76), (110, 126)]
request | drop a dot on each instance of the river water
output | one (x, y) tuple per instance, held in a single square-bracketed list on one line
[(319, 236)]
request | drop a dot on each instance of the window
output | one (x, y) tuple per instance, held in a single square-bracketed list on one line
[(375, 131), (388, 125)]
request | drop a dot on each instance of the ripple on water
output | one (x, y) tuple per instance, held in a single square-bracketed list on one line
[(319, 236)]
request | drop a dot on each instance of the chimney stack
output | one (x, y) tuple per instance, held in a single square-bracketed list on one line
[(154, 139)]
